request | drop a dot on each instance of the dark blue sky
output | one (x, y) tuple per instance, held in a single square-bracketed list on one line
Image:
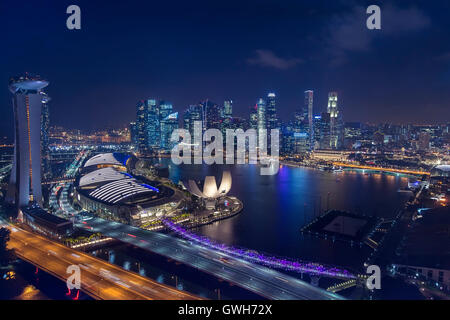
[(186, 51)]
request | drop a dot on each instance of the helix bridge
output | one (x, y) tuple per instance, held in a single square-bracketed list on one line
[(310, 268)]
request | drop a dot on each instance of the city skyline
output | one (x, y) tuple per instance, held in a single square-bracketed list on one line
[(281, 57), (230, 151)]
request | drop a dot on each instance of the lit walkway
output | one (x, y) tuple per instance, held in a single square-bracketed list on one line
[(258, 279)]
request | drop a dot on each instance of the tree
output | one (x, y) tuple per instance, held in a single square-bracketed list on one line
[(6, 255)]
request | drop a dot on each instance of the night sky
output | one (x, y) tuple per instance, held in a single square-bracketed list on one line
[(186, 51)]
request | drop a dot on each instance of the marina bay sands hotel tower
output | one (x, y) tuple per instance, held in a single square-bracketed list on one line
[(25, 181)]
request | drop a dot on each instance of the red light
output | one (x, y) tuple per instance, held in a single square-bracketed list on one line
[(131, 235)]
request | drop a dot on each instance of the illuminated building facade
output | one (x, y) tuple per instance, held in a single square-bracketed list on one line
[(25, 180), (153, 126), (192, 114), (141, 127), (168, 125), (228, 108), (45, 138), (336, 125), (308, 110)]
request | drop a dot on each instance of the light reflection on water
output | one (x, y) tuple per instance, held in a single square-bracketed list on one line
[(276, 207)]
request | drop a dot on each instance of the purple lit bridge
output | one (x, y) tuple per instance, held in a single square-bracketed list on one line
[(310, 268)]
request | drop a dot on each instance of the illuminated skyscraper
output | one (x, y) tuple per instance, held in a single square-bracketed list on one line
[(142, 127), (324, 129), (133, 134), (153, 124), (45, 139), (336, 126), (271, 112), (308, 108), (192, 114), (211, 115), (165, 108), (261, 111), (25, 180), (168, 125), (254, 117), (228, 108)]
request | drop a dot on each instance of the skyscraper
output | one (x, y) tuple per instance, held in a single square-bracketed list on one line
[(133, 134), (336, 126), (271, 112), (261, 111), (228, 109), (211, 115), (142, 127), (308, 108), (254, 117), (324, 123), (45, 139), (165, 110), (193, 113), (168, 125), (25, 180), (153, 124)]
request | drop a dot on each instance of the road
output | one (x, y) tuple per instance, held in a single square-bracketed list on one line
[(99, 279), (261, 280), (404, 171)]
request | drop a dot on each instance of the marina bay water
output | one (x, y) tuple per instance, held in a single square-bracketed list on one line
[(276, 207)]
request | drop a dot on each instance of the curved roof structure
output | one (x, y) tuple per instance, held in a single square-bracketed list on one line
[(441, 171), (443, 167), (210, 190), (120, 190), (103, 158), (101, 176)]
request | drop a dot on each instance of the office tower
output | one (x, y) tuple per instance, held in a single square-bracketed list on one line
[(317, 119), (336, 125), (324, 126), (45, 139), (133, 134), (271, 118), (287, 138), (25, 180), (271, 112), (153, 124), (308, 107), (168, 125), (228, 109), (165, 108), (142, 127), (261, 111), (262, 123), (253, 120), (193, 113), (211, 115)]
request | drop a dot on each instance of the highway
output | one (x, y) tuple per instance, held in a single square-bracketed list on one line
[(99, 279), (404, 171), (261, 280)]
